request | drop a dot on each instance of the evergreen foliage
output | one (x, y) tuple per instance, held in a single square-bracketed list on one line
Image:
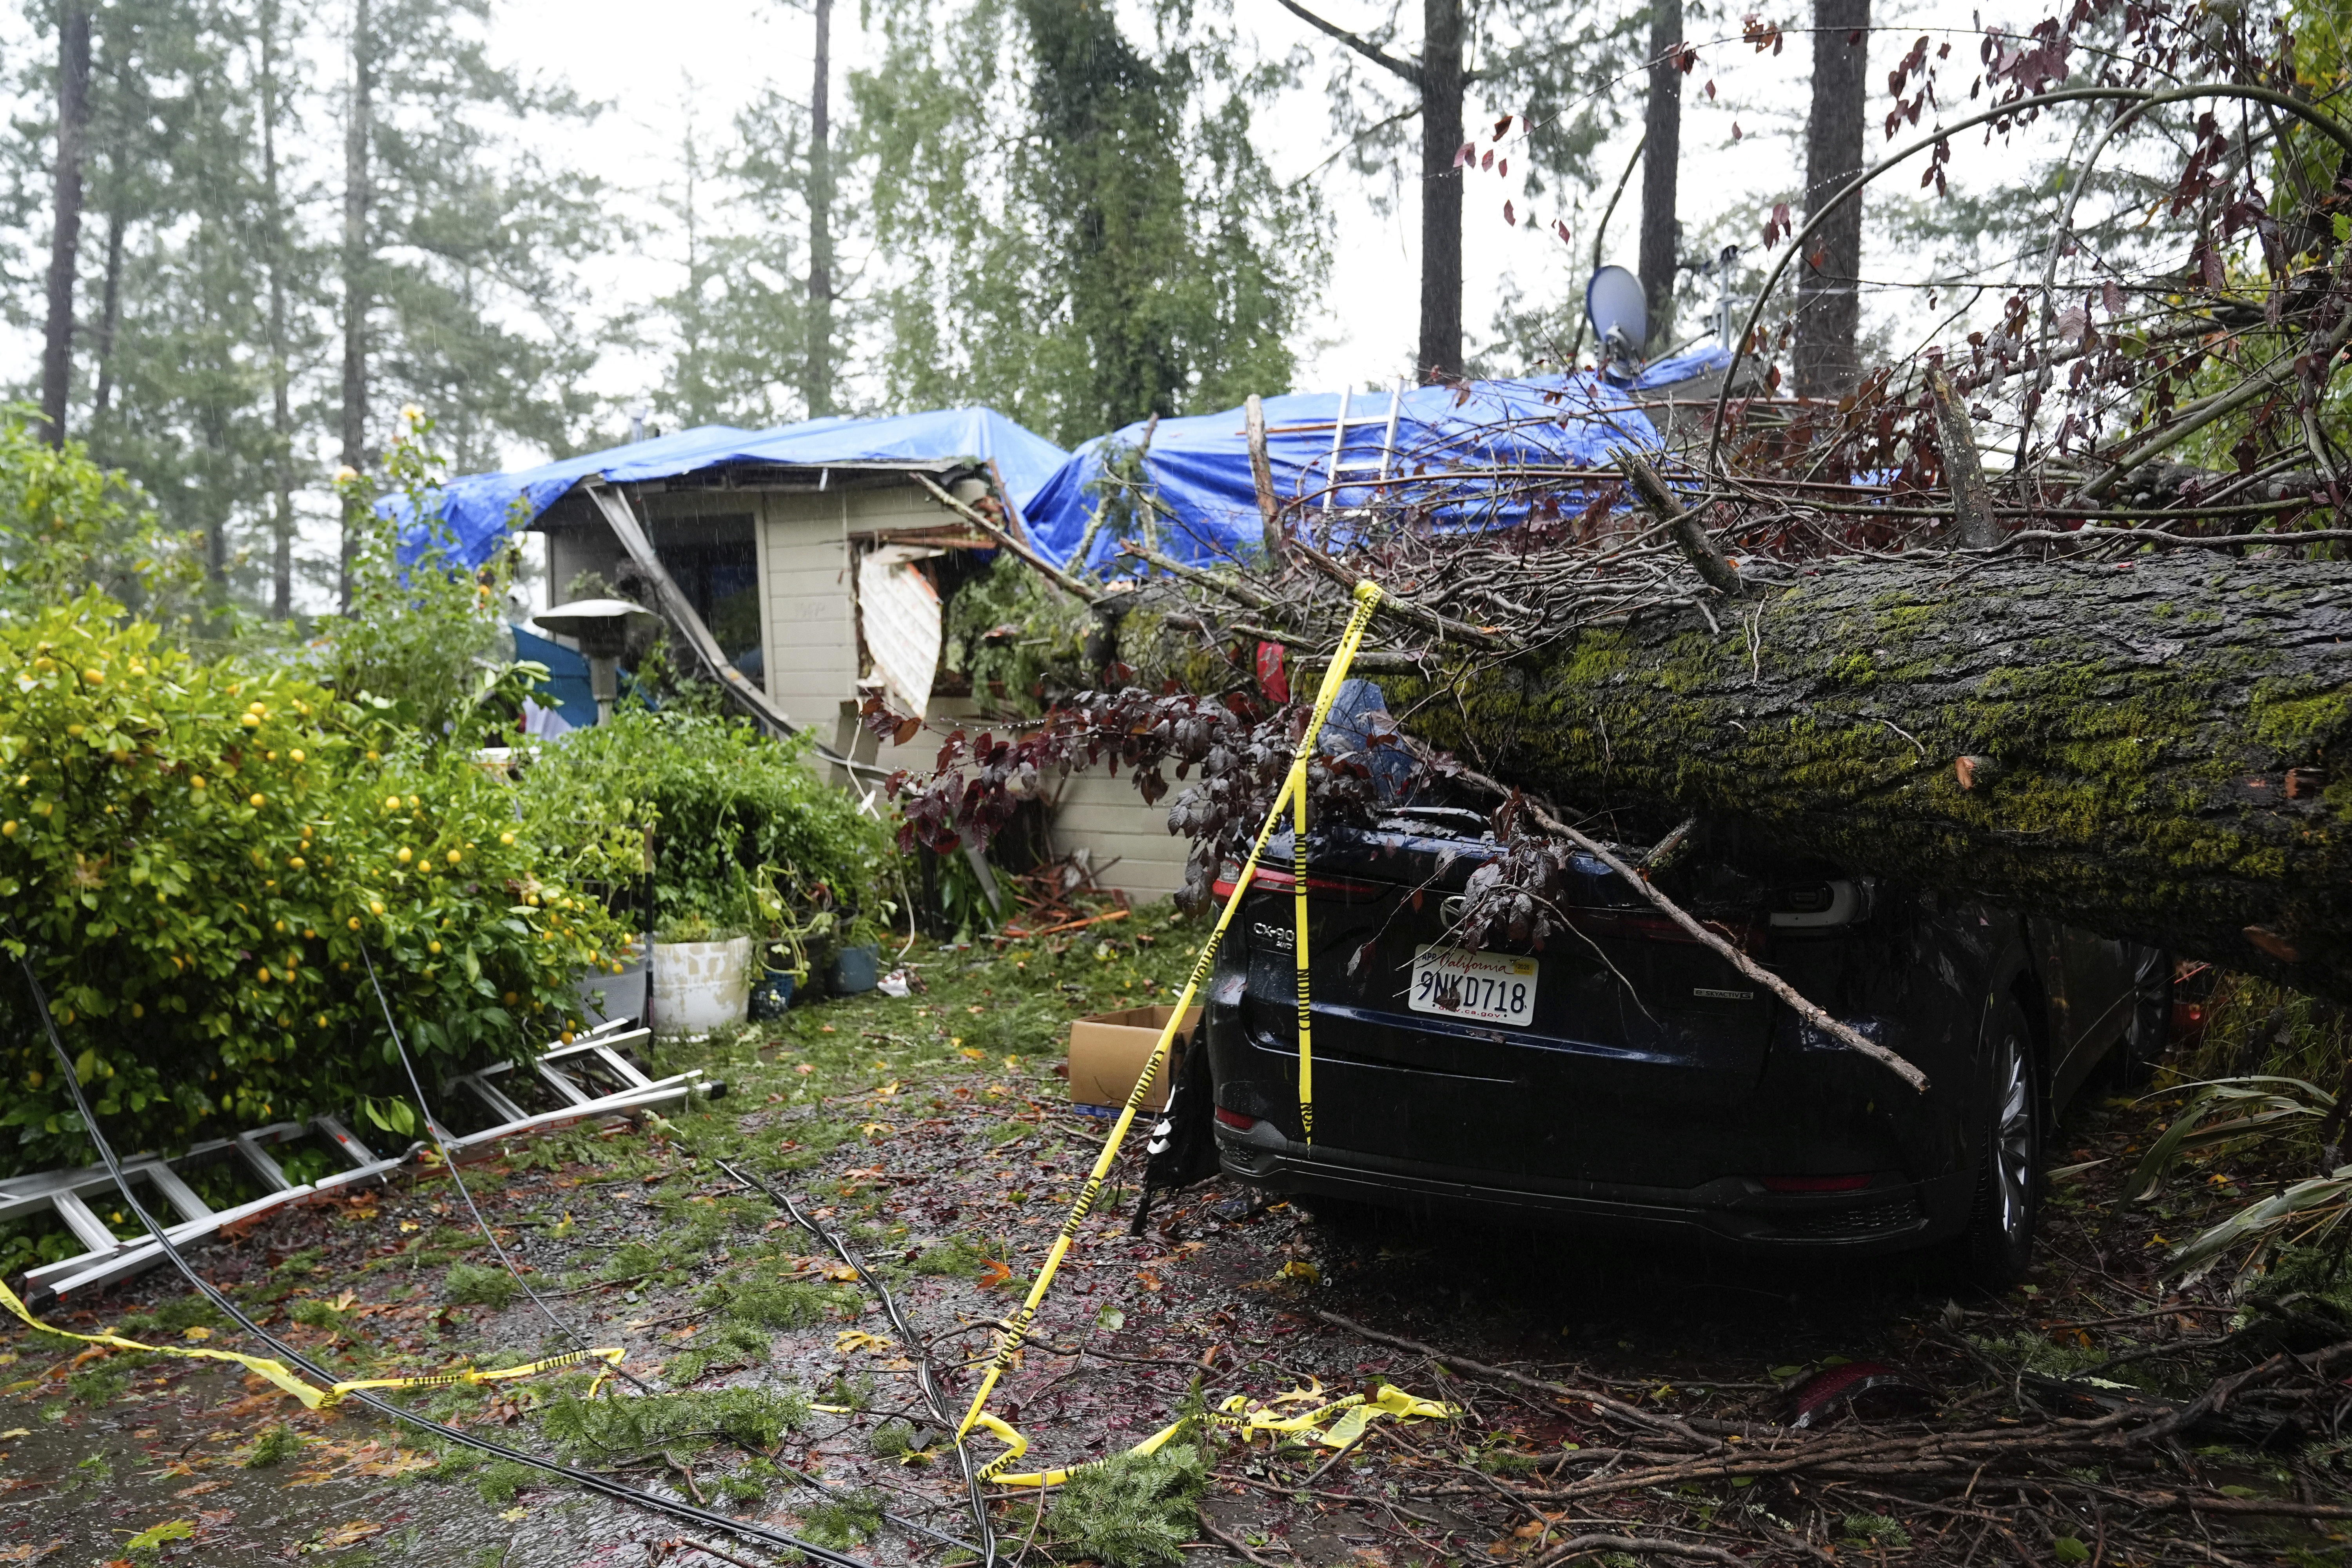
[(1086, 232)]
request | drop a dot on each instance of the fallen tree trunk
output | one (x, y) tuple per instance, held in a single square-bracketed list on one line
[(2161, 750)]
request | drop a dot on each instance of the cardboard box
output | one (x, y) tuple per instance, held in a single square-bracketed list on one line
[(1108, 1050)]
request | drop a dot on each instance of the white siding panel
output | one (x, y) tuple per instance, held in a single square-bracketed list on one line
[(1105, 815)]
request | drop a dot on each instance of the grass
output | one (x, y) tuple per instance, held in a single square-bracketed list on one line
[(276, 1445), (620, 1426), (468, 1285)]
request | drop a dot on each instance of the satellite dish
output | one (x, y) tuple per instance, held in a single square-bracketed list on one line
[(1619, 309)]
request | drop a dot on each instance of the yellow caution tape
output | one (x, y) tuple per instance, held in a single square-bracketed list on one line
[(1368, 597), (1016, 1331), (1354, 1412), (312, 1396)]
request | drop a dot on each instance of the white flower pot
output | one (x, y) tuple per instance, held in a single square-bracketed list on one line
[(699, 986)]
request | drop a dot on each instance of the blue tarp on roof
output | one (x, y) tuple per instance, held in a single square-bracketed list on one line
[(482, 509), (1200, 465)]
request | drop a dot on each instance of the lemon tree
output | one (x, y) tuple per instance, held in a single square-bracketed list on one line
[(200, 859)]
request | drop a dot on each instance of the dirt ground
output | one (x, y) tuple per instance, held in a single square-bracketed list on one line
[(1618, 1399)]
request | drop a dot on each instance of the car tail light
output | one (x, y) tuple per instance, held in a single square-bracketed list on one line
[(1235, 1119), (1814, 1183), (1746, 938), (1266, 879)]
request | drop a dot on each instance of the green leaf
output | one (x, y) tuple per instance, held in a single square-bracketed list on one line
[(2070, 1550), (149, 1538)]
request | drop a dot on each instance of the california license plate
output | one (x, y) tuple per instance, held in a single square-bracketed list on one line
[(1491, 987)]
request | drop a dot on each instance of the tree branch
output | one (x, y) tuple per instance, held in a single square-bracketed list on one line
[(1370, 52), (1844, 1034)]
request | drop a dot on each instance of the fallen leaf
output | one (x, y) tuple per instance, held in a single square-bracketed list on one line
[(198, 1332), (1298, 1268), (343, 1535), (155, 1535), (993, 1273), (16, 1432), (514, 1515), (200, 1487)]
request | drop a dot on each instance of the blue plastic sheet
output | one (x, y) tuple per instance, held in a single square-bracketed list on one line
[(566, 689), (481, 511), (1199, 467)]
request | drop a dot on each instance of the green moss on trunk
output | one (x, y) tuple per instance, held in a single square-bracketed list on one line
[(2169, 740)]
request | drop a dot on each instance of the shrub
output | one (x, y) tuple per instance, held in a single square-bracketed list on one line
[(201, 859), (724, 803), (468, 1286)]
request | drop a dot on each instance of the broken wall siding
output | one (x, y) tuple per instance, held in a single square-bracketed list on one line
[(811, 609)]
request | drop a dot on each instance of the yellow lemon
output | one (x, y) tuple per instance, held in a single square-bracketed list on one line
[(195, 781), (295, 754), (455, 856), (405, 855), (432, 947), (295, 862), (390, 802), (265, 975), (355, 922), (506, 837), (8, 829), (510, 998), (248, 721), (95, 677), (255, 799), (376, 907)]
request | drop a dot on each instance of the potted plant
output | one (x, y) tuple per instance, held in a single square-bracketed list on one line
[(701, 974)]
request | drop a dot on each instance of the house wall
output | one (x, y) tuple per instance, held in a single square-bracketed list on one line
[(809, 632)]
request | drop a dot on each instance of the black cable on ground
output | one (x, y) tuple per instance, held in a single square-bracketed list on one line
[(926, 1373), (449, 1163), (776, 1541)]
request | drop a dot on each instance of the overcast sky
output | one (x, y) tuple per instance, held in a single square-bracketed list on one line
[(719, 53)]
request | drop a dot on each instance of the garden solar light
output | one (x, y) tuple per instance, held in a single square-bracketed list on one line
[(602, 628)]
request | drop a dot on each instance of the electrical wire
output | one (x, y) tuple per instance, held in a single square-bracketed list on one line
[(776, 1541), (926, 1373), (449, 1163)]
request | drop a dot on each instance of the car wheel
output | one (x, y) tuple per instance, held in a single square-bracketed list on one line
[(1999, 1242), (2149, 1032)]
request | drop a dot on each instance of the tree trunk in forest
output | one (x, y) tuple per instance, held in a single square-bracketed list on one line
[(109, 316), (65, 233), (2162, 752), (817, 380), (1829, 300), (281, 414), (1661, 144), (357, 133), (1441, 191)]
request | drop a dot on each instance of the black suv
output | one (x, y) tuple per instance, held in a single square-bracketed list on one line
[(1625, 1074)]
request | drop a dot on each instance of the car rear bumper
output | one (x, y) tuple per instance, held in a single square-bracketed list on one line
[(1892, 1214)]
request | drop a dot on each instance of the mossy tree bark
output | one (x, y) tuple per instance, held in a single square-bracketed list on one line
[(2162, 752)]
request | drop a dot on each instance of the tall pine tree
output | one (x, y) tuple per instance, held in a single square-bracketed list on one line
[(1080, 228)]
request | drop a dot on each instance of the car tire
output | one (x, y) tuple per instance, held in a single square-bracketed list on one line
[(1995, 1250), (2149, 1032)]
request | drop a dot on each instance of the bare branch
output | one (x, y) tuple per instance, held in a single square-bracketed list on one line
[(1370, 52)]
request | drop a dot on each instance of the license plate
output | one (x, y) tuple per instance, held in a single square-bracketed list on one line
[(1491, 987)]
